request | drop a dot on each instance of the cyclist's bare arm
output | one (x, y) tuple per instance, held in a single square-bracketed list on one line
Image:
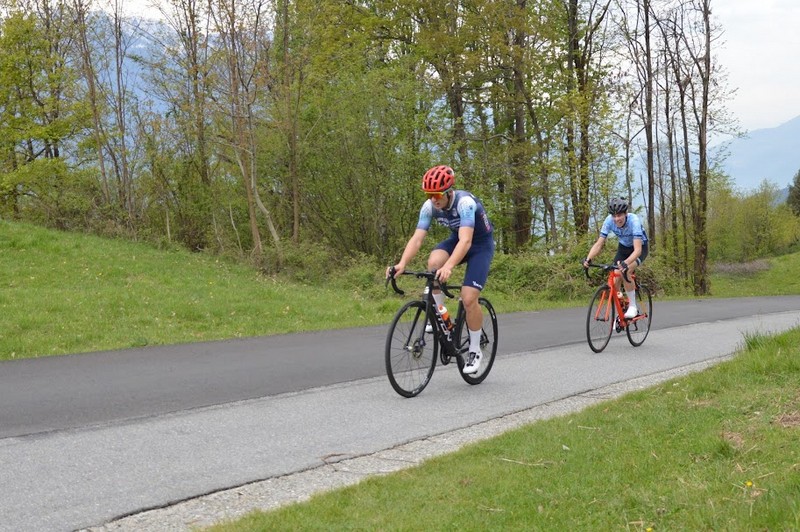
[(411, 250), (597, 247)]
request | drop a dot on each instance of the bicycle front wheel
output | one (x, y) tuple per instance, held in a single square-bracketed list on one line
[(410, 357), (488, 343), (600, 319), (639, 327)]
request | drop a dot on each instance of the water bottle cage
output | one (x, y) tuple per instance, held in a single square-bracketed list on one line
[(447, 343), (443, 326)]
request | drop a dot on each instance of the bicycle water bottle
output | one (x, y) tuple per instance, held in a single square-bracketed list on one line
[(445, 314)]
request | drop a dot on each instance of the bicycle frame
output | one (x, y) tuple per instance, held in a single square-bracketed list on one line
[(443, 335), (412, 352), (613, 298)]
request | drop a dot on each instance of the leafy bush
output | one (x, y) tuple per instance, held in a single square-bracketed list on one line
[(551, 277), (742, 228), (365, 274)]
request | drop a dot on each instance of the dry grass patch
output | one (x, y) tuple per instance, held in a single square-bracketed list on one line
[(734, 438), (741, 268), (789, 420)]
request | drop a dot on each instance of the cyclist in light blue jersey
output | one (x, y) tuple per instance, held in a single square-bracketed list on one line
[(632, 248), (471, 240)]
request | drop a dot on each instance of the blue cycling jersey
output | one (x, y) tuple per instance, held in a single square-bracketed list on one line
[(627, 233), (465, 211)]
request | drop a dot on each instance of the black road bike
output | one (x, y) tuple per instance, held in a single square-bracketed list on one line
[(411, 352)]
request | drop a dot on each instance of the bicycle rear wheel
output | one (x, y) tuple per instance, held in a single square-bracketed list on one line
[(600, 319), (639, 327), (410, 358), (488, 343)]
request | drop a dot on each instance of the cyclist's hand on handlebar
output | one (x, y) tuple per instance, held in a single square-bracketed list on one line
[(443, 274), (394, 271), (623, 266), (586, 262)]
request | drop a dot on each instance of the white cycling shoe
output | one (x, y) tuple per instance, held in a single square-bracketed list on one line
[(632, 312), (428, 328), (473, 363)]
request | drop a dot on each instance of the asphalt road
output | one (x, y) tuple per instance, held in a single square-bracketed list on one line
[(85, 439)]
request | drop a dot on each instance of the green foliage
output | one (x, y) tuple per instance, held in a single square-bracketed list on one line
[(309, 262), (42, 116), (537, 275), (793, 200), (56, 195), (57, 283), (364, 274), (347, 112), (746, 227), (775, 276)]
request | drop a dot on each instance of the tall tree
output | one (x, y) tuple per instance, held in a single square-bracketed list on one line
[(585, 24), (43, 115), (179, 75), (245, 72), (638, 38)]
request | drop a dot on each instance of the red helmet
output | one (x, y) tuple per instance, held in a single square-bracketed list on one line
[(438, 179)]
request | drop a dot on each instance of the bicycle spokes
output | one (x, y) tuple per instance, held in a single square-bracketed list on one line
[(409, 358), (639, 327), (600, 320)]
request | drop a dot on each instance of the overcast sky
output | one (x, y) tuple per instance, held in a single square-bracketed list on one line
[(761, 52)]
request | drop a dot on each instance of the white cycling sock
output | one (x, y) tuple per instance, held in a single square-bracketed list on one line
[(474, 341), (632, 298)]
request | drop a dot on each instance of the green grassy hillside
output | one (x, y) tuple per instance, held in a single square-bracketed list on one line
[(71, 293), (66, 293)]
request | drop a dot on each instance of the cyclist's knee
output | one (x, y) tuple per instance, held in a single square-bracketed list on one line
[(469, 296), (436, 259)]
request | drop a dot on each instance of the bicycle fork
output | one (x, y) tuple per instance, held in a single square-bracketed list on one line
[(604, 310)]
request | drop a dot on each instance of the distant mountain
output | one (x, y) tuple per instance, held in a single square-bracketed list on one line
[(772, 154)]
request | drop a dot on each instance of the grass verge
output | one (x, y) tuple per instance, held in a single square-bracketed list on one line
[(715, 450), (71, 293)]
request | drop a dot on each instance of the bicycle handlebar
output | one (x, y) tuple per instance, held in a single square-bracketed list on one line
[(430, 276), (605, 268)]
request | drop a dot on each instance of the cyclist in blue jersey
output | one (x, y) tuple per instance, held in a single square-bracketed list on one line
[(471, 240), (632, 248)]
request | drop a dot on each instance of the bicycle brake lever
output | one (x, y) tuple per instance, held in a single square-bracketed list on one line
[(446, 291), (442, 286), (389, 277)]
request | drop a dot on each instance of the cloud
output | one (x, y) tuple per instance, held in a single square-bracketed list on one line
[(759, 49)]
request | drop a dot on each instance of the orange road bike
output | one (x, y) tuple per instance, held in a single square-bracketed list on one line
[(411, 351), (607, 311)]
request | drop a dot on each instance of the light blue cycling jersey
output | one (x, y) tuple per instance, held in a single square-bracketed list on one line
[(466, 211), (627, 233)]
